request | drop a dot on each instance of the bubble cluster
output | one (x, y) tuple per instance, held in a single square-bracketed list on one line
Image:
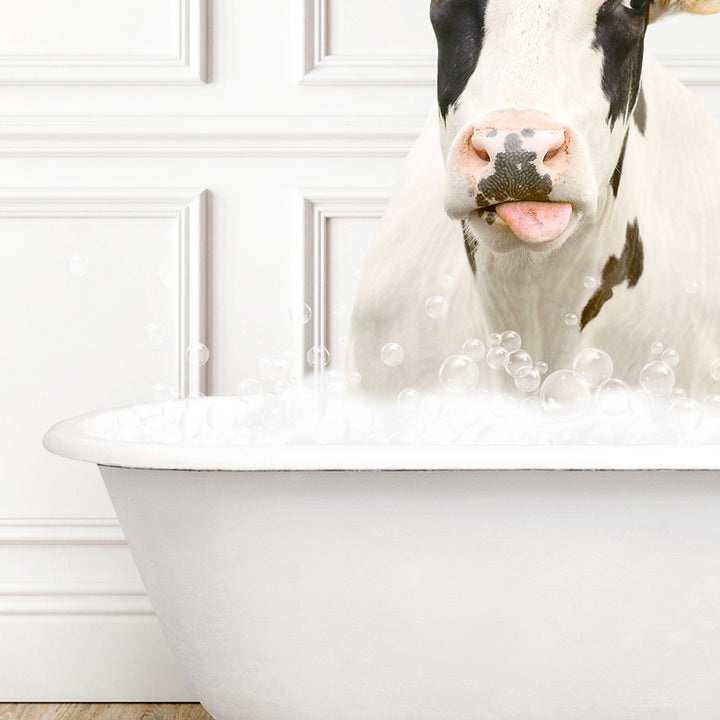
[(577, 402)]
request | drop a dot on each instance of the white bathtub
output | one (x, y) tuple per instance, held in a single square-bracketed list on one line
[(446, 583)]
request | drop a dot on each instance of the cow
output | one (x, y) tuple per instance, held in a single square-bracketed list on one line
[(566, 187)]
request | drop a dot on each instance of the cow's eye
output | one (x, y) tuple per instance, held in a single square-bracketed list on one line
[(636, 6)]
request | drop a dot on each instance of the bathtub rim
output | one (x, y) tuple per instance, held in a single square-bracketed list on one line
[(70, 439)]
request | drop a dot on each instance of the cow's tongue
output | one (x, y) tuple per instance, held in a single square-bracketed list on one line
[(535, 222)]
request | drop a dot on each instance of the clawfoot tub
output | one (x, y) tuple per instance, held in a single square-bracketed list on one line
[(432, 583)]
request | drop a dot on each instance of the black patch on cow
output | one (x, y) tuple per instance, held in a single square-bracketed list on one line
[(616, 271), (459, 27), (528, 132), (471, 245), (620, 36), (640, 114), (617, 173), (515, 177)]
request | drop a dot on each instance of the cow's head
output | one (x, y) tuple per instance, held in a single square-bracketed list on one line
[(536, 98)]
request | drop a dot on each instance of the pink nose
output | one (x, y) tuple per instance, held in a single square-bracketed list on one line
[(520, 159)]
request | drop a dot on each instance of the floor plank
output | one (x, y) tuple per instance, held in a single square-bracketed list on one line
[(103, 711)]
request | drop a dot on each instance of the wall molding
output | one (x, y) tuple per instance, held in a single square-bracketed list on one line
[(61, 531), (79, 599), (187, 206), (321, 67), (185, 67), (200, 136), (321, 205)]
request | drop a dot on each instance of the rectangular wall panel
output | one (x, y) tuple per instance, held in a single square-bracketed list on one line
[(340, 227), (102, 41)]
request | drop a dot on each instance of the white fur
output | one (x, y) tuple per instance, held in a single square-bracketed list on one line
[(670, 183)]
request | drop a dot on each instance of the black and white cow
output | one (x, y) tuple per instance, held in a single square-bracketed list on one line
[(564, 153)]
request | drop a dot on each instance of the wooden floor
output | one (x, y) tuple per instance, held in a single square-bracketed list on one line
[(102, 711)]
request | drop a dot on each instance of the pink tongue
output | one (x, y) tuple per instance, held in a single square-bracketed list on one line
[(535, 222)]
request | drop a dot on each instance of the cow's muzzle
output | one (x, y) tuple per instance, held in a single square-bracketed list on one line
[(507, 167)]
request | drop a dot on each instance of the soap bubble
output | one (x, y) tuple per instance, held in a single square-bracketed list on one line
[(495, 339), (459, 375), (447, 281), (510, 341), (590, 282), (78, 264), (657, 348), (613, 397), (318, 357), (657, 378), (474, 349), (354, 378), (711, 404), (197, 354), (163, 277), (497, 357), (436, 307), (564, 394), (528, 379), (692, 288), (715, 369), (249, 388), (686, 414), (518, 361), (571, 319), (594, 366), (671, 358), (542, 367), (392, 354), (155, 333), (408, 400), (677, 394), (300, 314)]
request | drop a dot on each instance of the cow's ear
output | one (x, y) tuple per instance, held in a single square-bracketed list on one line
[(699, 7)]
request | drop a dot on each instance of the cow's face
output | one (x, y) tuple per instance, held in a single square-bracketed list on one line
[(536, 98)]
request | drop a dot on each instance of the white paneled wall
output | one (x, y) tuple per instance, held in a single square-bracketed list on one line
[(172, 172)]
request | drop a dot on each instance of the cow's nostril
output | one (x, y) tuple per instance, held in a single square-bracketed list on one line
[(483, 155), (551, 154)]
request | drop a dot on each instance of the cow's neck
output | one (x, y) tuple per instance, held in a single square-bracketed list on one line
[(534, 295)]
